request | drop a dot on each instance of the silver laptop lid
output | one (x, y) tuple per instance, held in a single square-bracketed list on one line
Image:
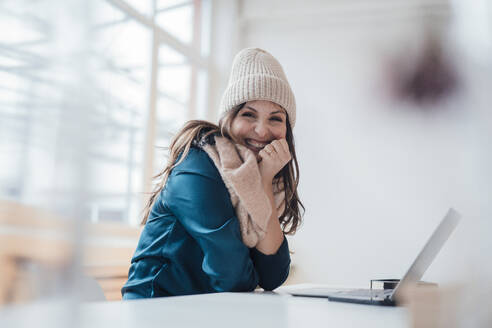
[(430, 250)]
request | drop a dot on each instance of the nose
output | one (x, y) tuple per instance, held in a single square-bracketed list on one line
[(262, 130)]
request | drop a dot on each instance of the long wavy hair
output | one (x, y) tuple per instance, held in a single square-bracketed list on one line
[(291, 217)]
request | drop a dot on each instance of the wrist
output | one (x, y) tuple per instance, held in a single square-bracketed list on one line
[(267, 181)]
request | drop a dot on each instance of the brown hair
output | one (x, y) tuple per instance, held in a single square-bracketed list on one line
[(182, 142)]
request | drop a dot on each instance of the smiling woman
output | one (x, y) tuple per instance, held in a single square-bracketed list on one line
[(228, 194), (258, 123)]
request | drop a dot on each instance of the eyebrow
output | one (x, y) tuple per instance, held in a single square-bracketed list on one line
[(276, 112)]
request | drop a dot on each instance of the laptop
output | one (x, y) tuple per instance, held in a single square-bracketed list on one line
[(390, 296)]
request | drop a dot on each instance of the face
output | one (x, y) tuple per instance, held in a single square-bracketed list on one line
[(258, 123)]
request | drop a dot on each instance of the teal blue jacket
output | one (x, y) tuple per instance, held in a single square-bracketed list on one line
[(191, 243)]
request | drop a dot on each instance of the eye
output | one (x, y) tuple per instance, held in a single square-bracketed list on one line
[(248, 114), (276, 118)]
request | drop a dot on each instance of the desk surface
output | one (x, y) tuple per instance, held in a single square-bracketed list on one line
[(258, 309)]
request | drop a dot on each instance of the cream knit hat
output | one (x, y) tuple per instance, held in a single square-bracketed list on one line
[(257, 75)]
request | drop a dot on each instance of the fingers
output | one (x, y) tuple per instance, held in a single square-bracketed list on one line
[(284, 144), (264, 153), (282, 148), (277, 144), (278, 148), (274, 157), (270, 149)]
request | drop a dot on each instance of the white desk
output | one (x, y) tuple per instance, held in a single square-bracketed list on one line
[(231, 310)]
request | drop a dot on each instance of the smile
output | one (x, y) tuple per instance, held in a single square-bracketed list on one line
[(256, 145)]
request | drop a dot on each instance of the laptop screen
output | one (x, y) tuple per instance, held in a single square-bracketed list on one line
[(430, 250)]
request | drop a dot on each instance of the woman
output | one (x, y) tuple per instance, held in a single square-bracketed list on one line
[(227, 196)]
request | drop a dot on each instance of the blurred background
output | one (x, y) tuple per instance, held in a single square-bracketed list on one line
[(394, 127)]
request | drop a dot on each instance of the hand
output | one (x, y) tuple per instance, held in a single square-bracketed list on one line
[(274, 157)]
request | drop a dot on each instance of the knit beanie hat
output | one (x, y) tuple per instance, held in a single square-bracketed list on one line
[(257, 75)]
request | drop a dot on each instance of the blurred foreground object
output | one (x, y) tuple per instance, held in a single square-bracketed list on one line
[(36, 256), (433, 78), (454, 306), (429, 78)]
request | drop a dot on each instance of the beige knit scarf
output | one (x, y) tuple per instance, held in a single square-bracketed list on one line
[(239, 170)]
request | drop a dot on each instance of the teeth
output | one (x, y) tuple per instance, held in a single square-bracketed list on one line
[(256, 144)]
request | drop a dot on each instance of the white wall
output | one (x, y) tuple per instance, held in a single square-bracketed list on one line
[(376, 175), (224, 43)]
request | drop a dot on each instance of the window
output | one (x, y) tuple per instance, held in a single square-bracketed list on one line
[(177, 17), (148, 72)]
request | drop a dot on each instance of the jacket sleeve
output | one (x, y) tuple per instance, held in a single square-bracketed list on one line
[(202, 205), (273, 269)]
